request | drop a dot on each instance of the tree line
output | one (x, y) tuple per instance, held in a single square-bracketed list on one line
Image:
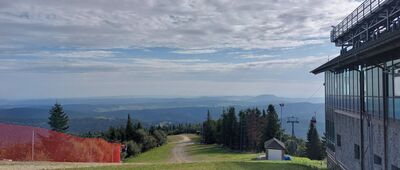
[(181, 128), (134, 136), (248, 129)]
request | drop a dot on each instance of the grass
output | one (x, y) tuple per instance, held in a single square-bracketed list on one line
[(215, 153), (308, 162), (200, 152), (156, 155), (211, 166), (210, 157)]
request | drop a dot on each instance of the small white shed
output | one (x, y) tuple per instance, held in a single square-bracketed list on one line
[(274, 149)]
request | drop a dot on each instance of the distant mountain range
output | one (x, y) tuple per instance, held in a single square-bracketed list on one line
[(97, 114)]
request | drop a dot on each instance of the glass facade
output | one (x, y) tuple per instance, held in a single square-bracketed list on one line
[(374, 91), (342, 92), (394, 89)]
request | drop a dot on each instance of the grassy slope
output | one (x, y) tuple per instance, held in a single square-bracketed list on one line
[(211, 166), (214, 153), (210, 157), (156, 155), (211, 153)]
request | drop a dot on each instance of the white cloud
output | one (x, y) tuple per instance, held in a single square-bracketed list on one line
[(195, 51), (61, 38), (252, 56), (149, 65), (182, 24), (76, 54)]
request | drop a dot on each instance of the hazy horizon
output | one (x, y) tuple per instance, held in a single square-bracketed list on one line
[(156, 97)]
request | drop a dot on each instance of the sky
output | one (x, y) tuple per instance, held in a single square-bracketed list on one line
[(89, 48)]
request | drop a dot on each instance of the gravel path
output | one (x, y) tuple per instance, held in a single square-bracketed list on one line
[(178, 152)]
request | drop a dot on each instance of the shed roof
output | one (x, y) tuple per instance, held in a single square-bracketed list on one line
[(274, 144)]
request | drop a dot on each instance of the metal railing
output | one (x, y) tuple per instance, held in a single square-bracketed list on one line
[(359, 14)]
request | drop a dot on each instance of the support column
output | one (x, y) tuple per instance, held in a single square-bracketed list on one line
[(362, 112), (385, 89)]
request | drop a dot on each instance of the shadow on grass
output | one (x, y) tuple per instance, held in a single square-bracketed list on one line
[(208, 149)]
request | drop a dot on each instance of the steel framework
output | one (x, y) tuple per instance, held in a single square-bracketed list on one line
[(368, 22), (293, 120)]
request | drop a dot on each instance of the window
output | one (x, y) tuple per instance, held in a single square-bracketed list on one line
[(396, 82), (339, 140), (397, 93), (394, 167), (356, 151), (330, 134), (377, 160)]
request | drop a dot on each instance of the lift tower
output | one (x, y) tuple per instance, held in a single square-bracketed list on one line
[(293, 120)]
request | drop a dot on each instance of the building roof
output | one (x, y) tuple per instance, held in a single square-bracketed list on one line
[(374, 51), (274, 144)]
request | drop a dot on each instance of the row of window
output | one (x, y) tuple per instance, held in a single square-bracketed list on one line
[(330, 134), (342, 89)]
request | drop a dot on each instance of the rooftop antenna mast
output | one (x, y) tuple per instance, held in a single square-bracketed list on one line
[(293, 120)]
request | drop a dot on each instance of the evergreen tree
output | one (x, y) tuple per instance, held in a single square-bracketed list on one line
[(129, 130), (209, 130), (242, 131), (232, 129), (264, 115), (58, 119), (139, 125), (272, 129), (111, 134), (313, 145)]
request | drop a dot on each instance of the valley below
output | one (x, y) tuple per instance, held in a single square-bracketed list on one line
[(98, 114)]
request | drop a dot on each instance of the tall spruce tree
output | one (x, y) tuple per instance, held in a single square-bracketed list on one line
[(232, 129), (139, 125), (272, 129), (313, 145), (242, 131), (209, 130), (129, 130), (58, 119)]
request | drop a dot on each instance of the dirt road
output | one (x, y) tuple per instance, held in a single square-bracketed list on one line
[(178, 152)]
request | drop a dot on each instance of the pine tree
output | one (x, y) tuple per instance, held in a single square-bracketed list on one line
[(272, 129), (232, 129), (139, 125), (313, 145), (58, 119), (209, 130), (264, 115), (242, 131), (129, 130)]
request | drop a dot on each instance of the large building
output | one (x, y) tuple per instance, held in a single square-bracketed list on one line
[(362, 89)]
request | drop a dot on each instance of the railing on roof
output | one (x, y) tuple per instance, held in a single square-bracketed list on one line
[(361, 12)]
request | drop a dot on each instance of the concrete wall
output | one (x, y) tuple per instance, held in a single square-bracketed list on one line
[(348, 126), (349, 130), (394, 143)]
